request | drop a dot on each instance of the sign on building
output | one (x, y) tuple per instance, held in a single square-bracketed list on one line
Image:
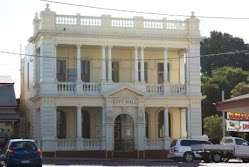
[(237, 122)]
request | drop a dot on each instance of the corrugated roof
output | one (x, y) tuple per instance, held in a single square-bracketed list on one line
[(7, 96), (6, 79)]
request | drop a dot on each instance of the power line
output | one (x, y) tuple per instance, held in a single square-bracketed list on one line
[(159, 59), (142, 12)]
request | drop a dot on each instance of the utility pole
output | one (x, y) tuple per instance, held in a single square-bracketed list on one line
[(223, 115)]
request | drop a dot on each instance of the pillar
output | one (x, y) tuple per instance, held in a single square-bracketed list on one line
[(165, 65), (103, 64), (166, 138), (79, 63), (142, 64), (183, 123), (79, 122), (136, 64), (188, 122), (109, 63), (103, 128)]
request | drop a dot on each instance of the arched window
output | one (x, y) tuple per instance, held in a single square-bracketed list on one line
[(85, 124), (146, 125), (160, 120), (61, 124)]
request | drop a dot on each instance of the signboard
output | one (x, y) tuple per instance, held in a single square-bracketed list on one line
[(237, 126), (237, 116)]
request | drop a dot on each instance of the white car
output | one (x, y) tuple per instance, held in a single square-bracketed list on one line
[(180, 149)]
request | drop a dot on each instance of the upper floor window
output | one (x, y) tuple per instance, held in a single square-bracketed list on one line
[(61, 70), (160, 73), (145, 71), (115, 71), (85, 71)]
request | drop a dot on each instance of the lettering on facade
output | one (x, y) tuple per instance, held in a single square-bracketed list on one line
[(123, 102)]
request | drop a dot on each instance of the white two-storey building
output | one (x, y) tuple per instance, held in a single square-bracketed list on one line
[(111, 87)]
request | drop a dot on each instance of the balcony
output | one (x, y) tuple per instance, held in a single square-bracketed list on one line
[(97, 89)]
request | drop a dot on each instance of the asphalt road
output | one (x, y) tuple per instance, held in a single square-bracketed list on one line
[(122, 162)]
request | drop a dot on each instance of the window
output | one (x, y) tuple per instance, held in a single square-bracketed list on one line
[(61, 124), (145, 72), (27, 75), (115, 71), (228, 141), (61, 70), (160, 73), (85, 124), (85, 71), (241, 142)]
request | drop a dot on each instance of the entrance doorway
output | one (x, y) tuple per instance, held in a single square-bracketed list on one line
[(124, 133)]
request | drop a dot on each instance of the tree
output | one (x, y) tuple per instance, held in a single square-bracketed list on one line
[(222, 43), (225, 78), (213, 128), (241, 89)]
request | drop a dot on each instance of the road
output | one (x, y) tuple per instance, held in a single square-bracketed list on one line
[(142, 163)]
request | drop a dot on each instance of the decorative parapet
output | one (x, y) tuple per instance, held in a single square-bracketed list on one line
[(50, 21)]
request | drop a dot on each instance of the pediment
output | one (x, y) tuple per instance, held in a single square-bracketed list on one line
[(125, 92)]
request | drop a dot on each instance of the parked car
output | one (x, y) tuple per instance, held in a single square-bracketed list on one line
[(230, 147), (180, 149), (21, 152)]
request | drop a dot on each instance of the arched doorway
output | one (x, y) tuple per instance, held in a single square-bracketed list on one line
[(123, 133)]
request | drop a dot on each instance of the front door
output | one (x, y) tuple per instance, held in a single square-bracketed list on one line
[(123, 133)]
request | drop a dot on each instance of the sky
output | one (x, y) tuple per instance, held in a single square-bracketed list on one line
[(16, 18)]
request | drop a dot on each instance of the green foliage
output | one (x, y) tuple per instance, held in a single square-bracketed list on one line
[(213, 128), (222, 43), (225, 78), (241, 89)]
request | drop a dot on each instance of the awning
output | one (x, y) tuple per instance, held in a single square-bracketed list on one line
[(238, 104)]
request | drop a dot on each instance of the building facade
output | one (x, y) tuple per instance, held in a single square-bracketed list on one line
[(9, 114), (109, 87)]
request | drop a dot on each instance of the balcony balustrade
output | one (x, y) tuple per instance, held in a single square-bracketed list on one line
[(98, 88)]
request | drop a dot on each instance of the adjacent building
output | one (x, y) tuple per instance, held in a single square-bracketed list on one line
[(111, 87), (9, 115)]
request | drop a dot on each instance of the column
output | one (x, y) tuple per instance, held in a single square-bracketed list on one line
[(142, 65), (166, 138), (188, 122), (109, 64), (166, 122), (187, 66), (103, 128), (136, 64), (55, 67), (79, 63), (79, 123), (103, 64), (165, 65), (183, 123)]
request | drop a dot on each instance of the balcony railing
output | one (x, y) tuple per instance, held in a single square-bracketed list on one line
[(96, 88), (85, 144), (65, 87), (151, 144), (106, 20), (154, 88), (177, 89)]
